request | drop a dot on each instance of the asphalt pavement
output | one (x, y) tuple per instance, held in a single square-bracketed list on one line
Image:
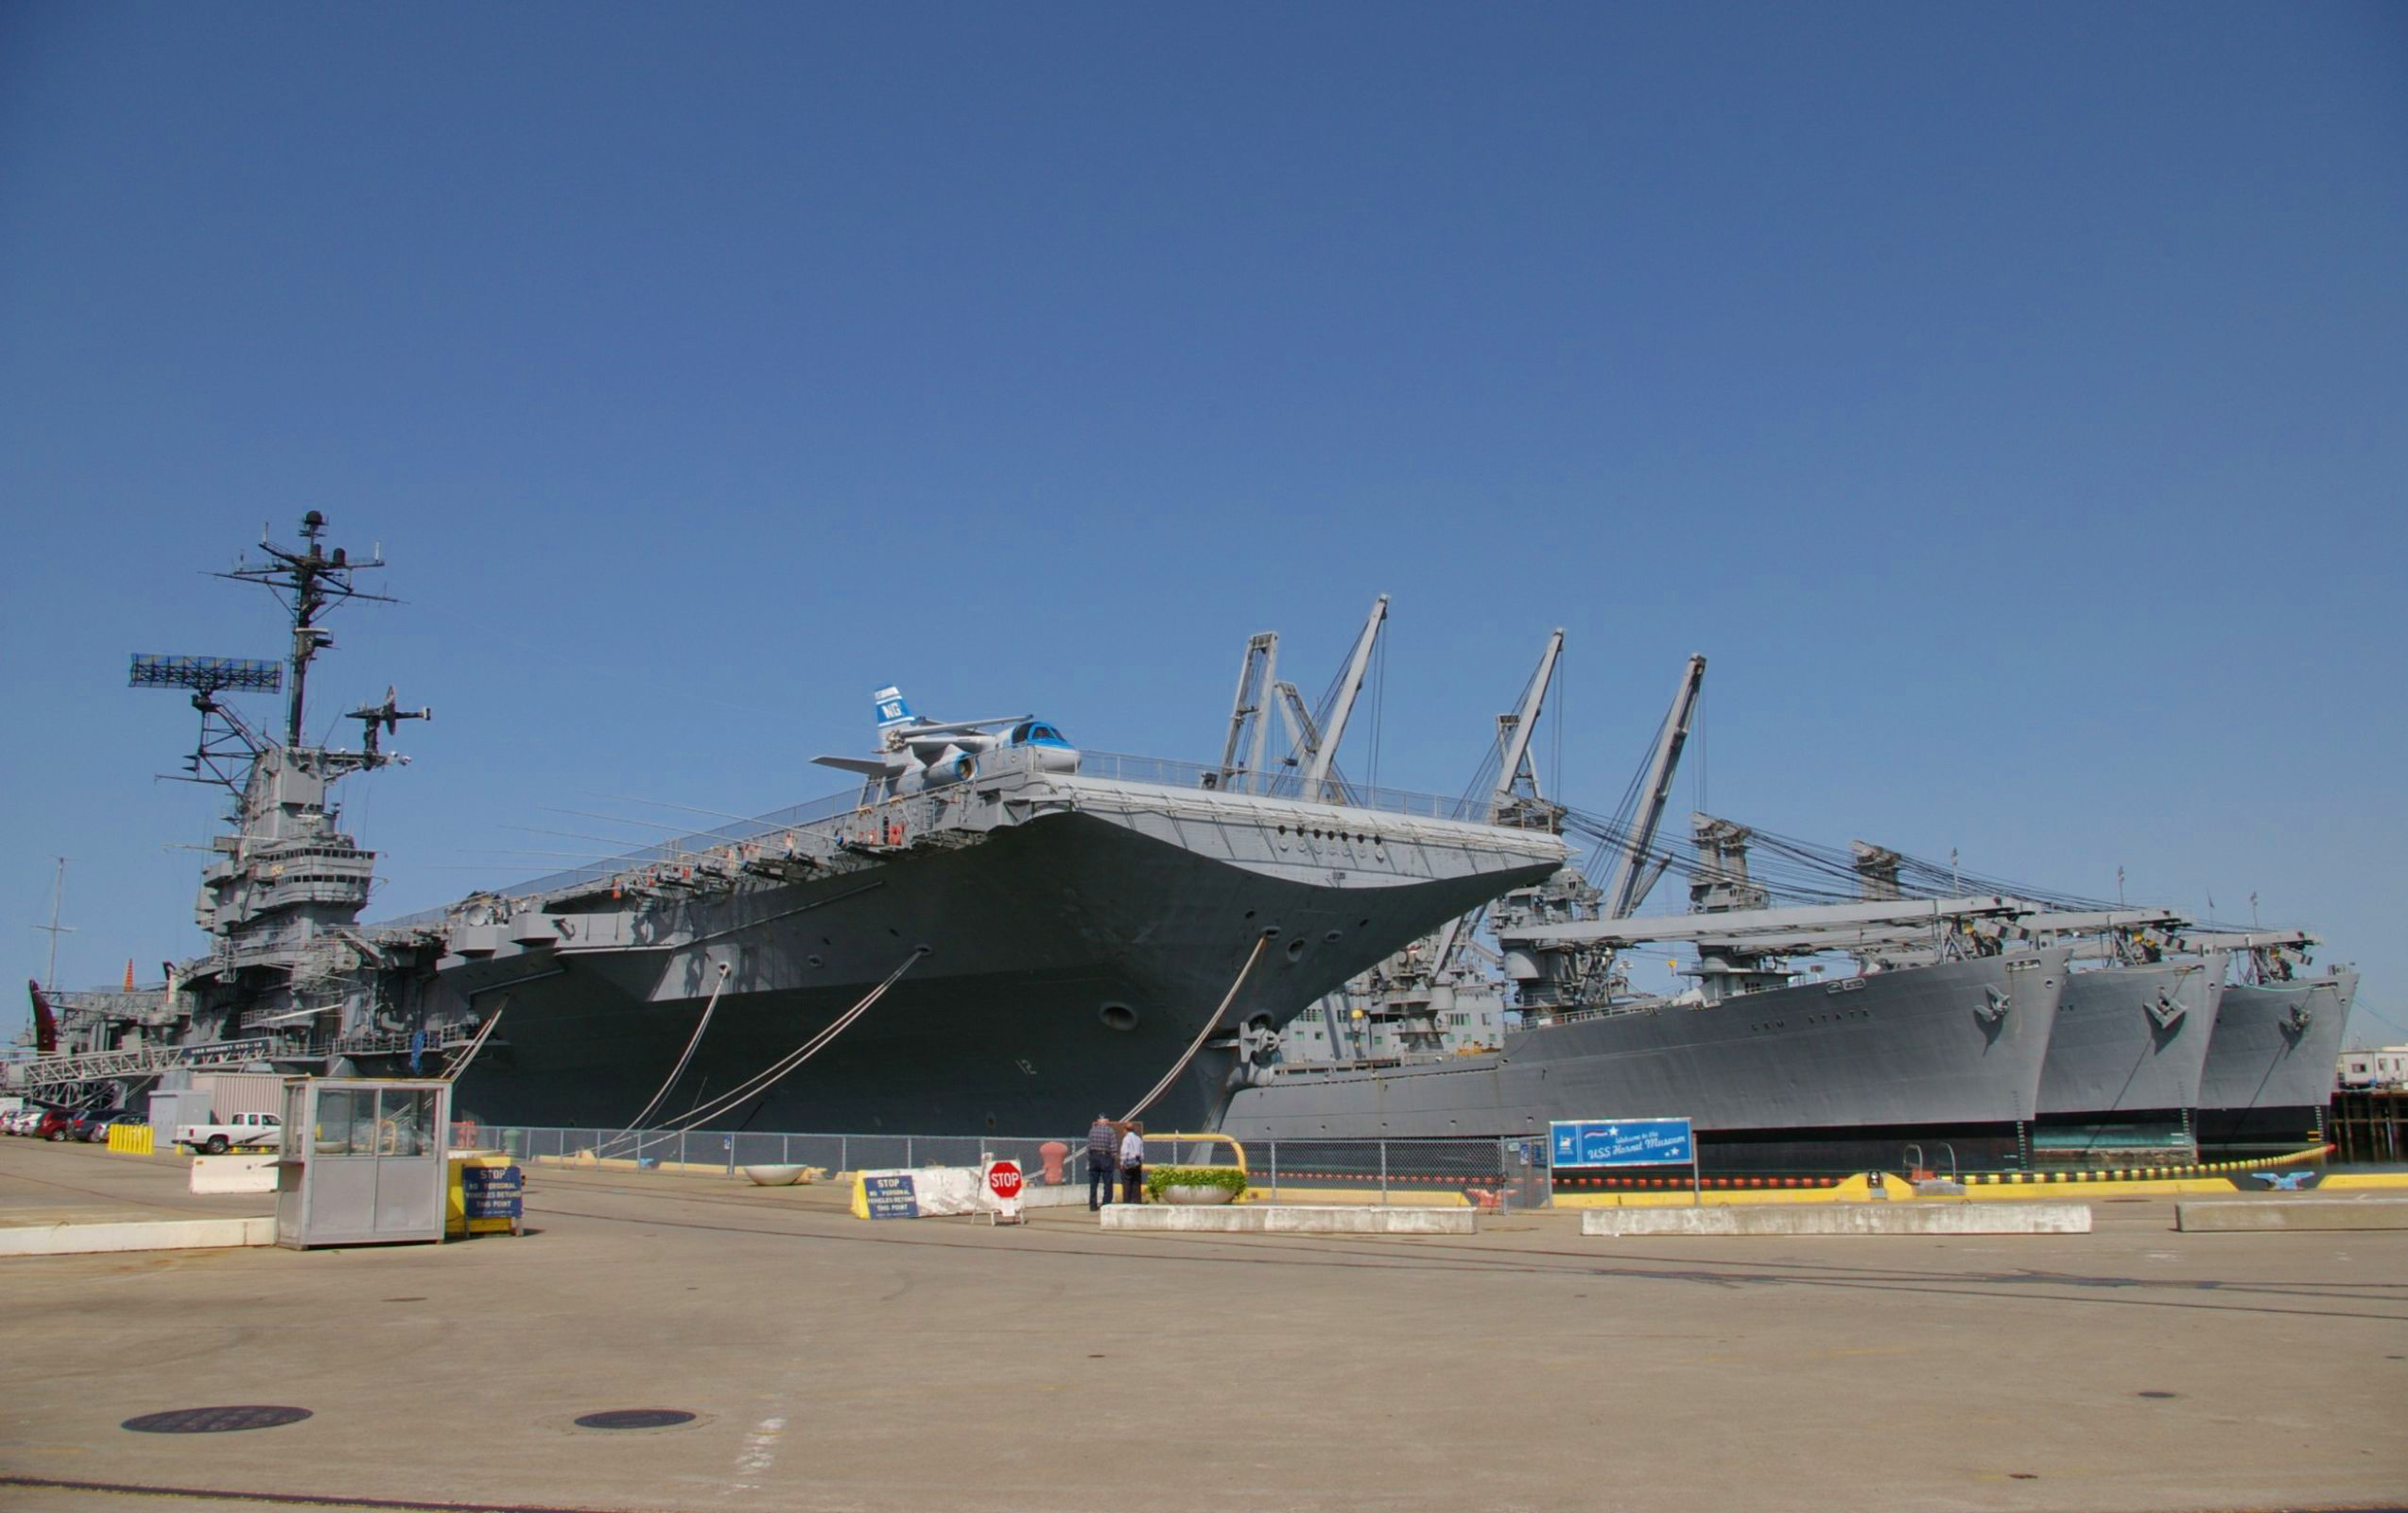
[(830, 1363)]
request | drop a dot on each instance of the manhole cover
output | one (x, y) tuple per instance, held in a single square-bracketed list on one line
[(214, 1420), (2161, 1394), (636, 1418)]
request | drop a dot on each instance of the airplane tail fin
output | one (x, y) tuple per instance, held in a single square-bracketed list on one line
[(893, 709)]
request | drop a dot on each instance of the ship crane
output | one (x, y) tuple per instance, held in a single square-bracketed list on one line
[(1518, 797), (1736, 948), (1511, 800), (1258, 683), (1764, 927), (1313, 747), (1350, 685), (1634, 876), (2261, 953)]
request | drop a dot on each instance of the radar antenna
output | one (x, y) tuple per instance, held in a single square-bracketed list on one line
[(228, 744), (309, 581)]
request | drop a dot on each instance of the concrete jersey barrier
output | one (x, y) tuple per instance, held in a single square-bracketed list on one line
[(1270, 1218), (250, 1173), (1846, 1219), (2249, 1216)]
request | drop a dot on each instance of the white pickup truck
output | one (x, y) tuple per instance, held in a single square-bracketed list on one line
[(243, 1129)]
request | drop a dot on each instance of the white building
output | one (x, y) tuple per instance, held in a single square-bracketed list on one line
[(2387, 1066)]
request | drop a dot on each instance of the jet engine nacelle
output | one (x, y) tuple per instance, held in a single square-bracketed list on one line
[(954, 766)]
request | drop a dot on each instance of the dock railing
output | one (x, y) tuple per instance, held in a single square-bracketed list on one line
[(1487, 1171)]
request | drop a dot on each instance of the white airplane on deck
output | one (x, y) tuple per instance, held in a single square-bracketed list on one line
[(915, 754)]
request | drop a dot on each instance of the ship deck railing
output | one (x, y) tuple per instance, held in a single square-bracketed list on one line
[(709, 849)]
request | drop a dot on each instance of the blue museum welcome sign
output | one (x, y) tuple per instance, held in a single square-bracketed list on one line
[(1622, 1142)]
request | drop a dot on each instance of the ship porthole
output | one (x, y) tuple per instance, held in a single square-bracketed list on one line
[(1117, 1016), (1296, 949)]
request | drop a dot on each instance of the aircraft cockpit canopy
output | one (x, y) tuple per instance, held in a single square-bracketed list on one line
[(1036, 732)]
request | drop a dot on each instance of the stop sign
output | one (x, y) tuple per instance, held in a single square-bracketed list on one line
[(1004, 1179)]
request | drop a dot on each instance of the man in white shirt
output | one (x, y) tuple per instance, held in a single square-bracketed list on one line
[(1133, 1164)]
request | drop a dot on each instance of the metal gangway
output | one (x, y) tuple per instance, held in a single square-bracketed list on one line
[(52, 1074)]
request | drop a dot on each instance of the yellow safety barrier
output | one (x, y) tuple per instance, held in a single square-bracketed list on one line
[(1234, 1148), (131, 1139)]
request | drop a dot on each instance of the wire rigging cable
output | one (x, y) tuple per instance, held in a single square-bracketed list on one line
[(1197, 1044)]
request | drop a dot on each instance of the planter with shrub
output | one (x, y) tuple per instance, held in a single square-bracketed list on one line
[(1195, 1183)]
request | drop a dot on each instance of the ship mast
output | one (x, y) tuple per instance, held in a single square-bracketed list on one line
[(310, 582), (57, 898)]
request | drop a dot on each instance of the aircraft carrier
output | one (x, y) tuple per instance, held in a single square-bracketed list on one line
[(998, 931), (995, 932)]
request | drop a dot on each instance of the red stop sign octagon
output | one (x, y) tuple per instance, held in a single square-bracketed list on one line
[(1004, 1179)]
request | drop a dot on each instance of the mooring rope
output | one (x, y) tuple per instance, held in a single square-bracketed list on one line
[(460, 1062), (1197, 1044), (696, 1039), (778, 1071)]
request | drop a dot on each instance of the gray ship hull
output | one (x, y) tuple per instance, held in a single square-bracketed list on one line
[(1071, 959), (1916, 1048), (2269, 1071), (2131, 1041)]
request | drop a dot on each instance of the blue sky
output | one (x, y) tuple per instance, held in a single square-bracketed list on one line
[(2011, 403)]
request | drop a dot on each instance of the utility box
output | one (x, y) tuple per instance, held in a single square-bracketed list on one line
[(363, 1161)]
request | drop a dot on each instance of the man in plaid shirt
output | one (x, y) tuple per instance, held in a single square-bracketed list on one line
[(1103, 1161)]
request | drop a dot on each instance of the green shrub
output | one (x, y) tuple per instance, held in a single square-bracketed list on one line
[(1195, 1176)]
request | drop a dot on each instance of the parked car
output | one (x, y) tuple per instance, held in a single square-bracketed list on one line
[(127, 1118), (54, 1124), (20, 1121), (93, 1129), (89, 1124)]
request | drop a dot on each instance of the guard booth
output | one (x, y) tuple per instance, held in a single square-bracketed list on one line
[(363, 1161)]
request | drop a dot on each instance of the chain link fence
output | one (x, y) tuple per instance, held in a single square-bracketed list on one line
[(1487, 1171)]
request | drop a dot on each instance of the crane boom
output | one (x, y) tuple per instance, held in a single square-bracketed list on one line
[(1526, 719), (1317, 773), (1816, 921), (1624, 894), (2249, 940), (1256, 672)]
